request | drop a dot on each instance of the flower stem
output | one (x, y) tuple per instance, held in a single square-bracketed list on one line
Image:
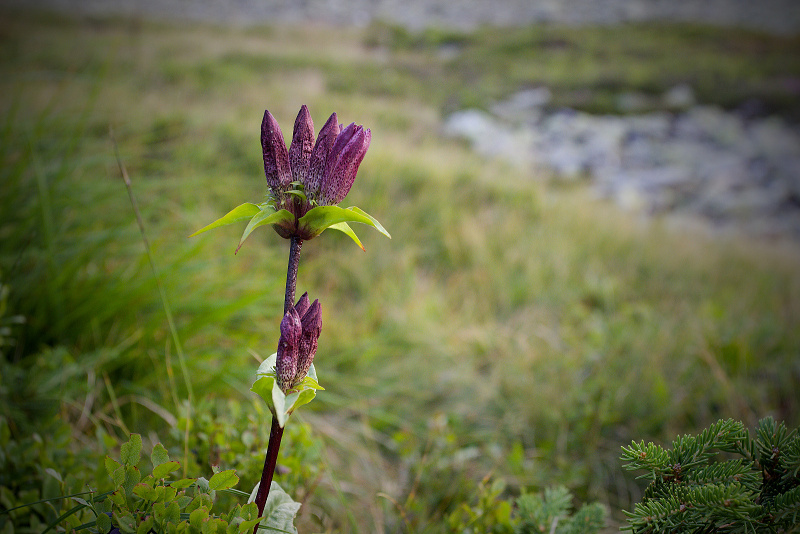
[(291, 273), (276, 431), (275, 435)]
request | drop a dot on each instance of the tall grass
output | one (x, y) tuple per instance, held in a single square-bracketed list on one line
[(509, 328)]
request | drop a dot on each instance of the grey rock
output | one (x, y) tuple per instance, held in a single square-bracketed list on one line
[(703, 161), (679, 97)]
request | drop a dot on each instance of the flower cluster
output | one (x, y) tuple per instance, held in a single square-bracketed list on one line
[(300, 329), (310, 174)]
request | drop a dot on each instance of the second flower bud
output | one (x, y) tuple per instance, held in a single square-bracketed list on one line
[(300, 329)]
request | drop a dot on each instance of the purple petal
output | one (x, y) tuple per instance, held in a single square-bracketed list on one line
[(302, 305), (325, 141), (288, 348), (276, 157), (339, 178), (302, 144), (312, 326), (342, 139)]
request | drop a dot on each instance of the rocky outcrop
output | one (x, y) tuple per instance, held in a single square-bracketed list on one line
[(732, 171)]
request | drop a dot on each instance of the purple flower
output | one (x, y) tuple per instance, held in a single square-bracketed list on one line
[(300, 329), (311, 174)]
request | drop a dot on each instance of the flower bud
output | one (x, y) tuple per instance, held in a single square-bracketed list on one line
[(288, 350), (312, 326), (343, 162), (319, 156), (302, 145), (276, 157), (302, 305)]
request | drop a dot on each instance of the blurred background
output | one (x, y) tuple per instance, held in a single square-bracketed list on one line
[(595, 219)]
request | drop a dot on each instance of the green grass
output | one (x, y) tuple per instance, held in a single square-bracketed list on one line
[(508, 328)]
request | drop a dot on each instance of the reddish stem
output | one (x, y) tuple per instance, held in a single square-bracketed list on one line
[(276, 431), (275, 435)]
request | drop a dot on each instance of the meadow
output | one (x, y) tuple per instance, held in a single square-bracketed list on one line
[(512, 329)]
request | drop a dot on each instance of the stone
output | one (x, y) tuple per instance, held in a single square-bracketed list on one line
[(679, 97), (703, 161)]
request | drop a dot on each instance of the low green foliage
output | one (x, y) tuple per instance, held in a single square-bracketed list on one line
[(722, 480), (550, 511), (153, 503)]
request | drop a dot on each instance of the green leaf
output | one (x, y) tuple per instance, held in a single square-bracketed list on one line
[(182, 483), (239, 213), (246, 526), (125, 522), (378, 226), (202, 485), (168, 493), (318, 219), (162, 470), (198, 516), (312, 373), (131, 452), (263, 388), (280, 404), (223, 480), (159, 510), (345, 229), (298, 193), (117, 498), (145, 492), (249, 511), (279, 510), (172, 514), (82, 501), (132, 477), (146, 526), (268, 215), (115, 471), (103, 522), (53, 473), (304, 397), (159, 456), (311, 381)]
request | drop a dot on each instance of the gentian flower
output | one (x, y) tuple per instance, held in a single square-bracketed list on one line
[(307, 181), (300, 329), (303, 177)]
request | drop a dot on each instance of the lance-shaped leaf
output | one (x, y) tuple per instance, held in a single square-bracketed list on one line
[(239, 213), (374, 222), (345, 229), (318, 219), (267, 215)]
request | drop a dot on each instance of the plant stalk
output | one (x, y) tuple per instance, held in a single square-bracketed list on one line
[(271, 459), (291, 273), (276, 431)]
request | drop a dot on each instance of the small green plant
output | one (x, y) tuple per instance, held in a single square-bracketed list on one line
[(158, 502), (153, 503), (489, 513), (722, 480), (549, 512)]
